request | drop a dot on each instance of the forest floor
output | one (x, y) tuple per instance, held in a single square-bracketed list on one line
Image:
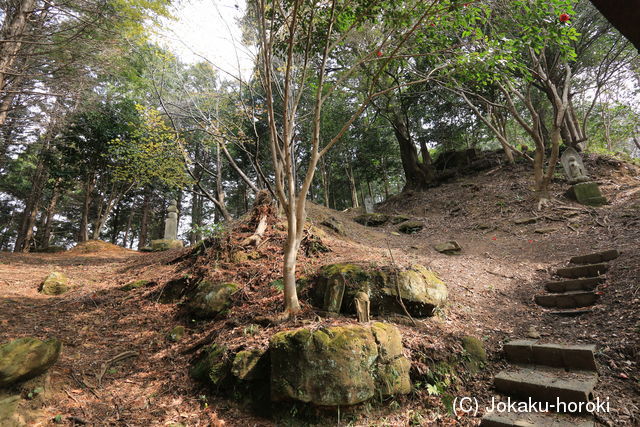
[(491, 287)]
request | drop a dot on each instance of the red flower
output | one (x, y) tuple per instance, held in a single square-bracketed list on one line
[(494, 238), (379, 53), (530, 241), (565, 18)]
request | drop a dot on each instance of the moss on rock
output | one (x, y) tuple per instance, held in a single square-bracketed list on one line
[(421, 290), (475, 348), (135, 285), (372, 219), (55, 283), (25, 358), (210, 299), (213, 367), (176, 333), (336, 366), (250, 365), (410, 227)]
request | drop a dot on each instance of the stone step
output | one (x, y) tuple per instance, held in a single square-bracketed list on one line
[(571, 313), (589, 270), (596, 257), (588, 284), (572, 299), (544, 384), (519, 419), (531, 352)]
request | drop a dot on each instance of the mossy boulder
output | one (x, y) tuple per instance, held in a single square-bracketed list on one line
[(477, 356), (333, 224), (25, 358), (213, 367), (372, 219), (176, 333), (336, 366), (55, 283), (251, 365), (135, 285), (397, 219), (410, 227), (587, 193), (420, 289), (210, 299), (336, 285), (166, 244)]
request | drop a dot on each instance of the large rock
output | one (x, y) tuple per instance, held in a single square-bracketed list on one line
[(410, 227), (213, 367), (421, 290), (587, 193), (166, 244), (372, 219), (55, 283), (338, 366), (26, 358), (210, 299)]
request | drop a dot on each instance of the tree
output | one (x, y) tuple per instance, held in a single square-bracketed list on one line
[(298, 43)]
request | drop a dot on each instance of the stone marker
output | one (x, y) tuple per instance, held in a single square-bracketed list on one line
[(368, 204), (362, 303), (587, 193), (170, 240), (171, 223), (573, 166)]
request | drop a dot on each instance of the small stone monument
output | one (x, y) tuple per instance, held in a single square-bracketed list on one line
[(573, 166), (583, 190), (171, 223), (368, 204), (170, 240)]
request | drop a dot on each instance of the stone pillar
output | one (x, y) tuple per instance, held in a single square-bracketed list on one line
[(171, 223)]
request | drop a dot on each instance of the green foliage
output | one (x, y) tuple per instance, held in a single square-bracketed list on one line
[(151, 152)]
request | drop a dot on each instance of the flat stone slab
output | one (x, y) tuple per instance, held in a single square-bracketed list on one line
[(569, 356), (509, 419), (590, 270), (571, 299), (544, 384), (588, 284), (596, 257)]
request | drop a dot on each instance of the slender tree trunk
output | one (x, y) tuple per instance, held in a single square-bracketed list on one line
[(83, 234), (352, 186), (51, 211), (128, 229), (144, 220), (32, 205)]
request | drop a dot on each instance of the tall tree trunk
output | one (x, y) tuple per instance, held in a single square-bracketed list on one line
[(51, 211), (144, 219), (89, 184), (32, 205), (128, 229), (352, 186)]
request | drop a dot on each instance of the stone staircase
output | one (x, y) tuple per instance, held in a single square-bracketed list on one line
[(570, 296), (559, 377)]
